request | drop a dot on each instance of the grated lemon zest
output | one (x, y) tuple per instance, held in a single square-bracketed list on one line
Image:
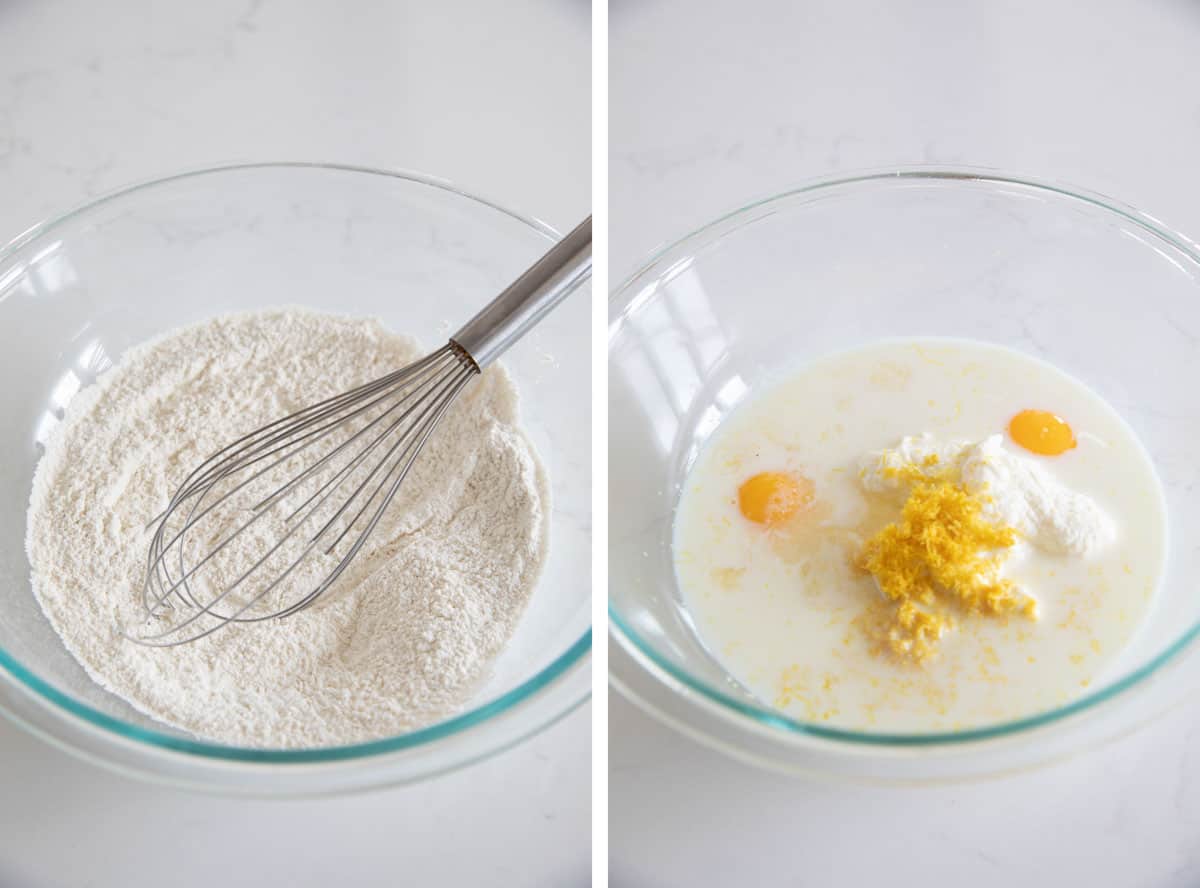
[(941, 556)]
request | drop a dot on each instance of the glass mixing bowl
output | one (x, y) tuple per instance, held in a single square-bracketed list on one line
[(421, 255), (1100, 290)]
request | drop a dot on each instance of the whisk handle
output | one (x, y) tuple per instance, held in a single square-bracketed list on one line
[(527, 299)]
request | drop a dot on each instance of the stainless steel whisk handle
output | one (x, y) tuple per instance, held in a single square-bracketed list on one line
[(527, 299)]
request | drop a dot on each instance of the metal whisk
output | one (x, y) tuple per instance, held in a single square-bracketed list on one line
[(299, 497)]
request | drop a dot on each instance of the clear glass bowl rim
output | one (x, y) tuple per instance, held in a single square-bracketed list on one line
[(661, 261), (424, 736)]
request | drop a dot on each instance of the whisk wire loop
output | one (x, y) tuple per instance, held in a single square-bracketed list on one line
[(358, 446), (231, 536)]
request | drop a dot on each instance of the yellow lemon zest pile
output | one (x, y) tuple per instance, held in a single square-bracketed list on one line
[(942, 554)]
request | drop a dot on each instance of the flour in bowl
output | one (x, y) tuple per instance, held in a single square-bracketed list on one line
[(405, 636)]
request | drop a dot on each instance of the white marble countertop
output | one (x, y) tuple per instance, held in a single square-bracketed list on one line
[(94, 96), (715, 104)]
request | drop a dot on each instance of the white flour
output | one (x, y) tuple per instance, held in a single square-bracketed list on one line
[(402, 640)]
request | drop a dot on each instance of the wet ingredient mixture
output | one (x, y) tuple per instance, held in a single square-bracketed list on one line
[(920, 536)]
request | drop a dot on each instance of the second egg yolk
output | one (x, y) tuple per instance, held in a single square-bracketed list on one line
[(1041, 432), (772, 498)]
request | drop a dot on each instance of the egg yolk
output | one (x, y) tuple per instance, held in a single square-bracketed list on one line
[(1041, 432), (772, 498)]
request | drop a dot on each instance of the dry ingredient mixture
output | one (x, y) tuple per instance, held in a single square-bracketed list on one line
[(402, 640)]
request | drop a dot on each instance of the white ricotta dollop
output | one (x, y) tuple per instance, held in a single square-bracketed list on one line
[(1016, 491), (880, 471)]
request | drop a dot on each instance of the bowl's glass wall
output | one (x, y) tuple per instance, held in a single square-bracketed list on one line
[(718, 316), (422, 258)]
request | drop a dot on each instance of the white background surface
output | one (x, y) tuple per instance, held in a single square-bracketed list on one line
[(714, 104), (492, 96)]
